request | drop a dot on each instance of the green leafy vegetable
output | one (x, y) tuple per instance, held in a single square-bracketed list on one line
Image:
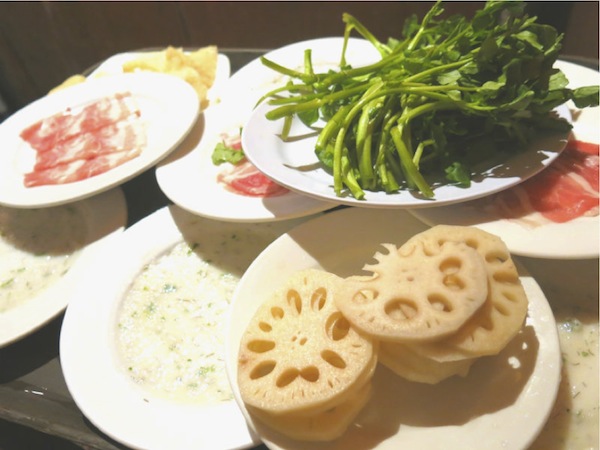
[(447, 94), (223, 153)]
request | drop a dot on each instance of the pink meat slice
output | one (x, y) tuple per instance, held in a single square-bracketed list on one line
[(565, 190), (80, 169), (114, 137), (48, 132), (569, 187), (245, 179)]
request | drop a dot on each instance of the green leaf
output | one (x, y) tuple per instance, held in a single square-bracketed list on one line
[(449, 77), (309, 117), (585, 97), (222, 154), (458, 173)]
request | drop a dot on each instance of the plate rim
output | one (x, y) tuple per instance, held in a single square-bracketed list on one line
[(321, 185)]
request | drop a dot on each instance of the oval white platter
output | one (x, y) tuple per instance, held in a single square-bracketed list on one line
[(114, 66), (484, 410), (89, 352), (189, 177), (169, 106), (293, 163), (533, 235), (105, 217)]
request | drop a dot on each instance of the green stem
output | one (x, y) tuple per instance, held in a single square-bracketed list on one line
[(411, 171)]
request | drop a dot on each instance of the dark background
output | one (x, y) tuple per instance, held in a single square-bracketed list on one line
[(42, 43)]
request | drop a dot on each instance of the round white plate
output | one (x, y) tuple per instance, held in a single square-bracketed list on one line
[(294, 164), (88, 350), (503, 402), (105, 217), (533, 235), (188, 176), (168, 105)]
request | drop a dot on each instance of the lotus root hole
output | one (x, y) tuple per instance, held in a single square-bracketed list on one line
[(401, 309), (337, 326), (277, 313), (473, 243), (260, 346), (333, 359), (288, 376), (505, 277), (502, 310), (496, 257), (365, 296), (439, 303), (318, 299), (262, 369), (509, 296), (450, 265), (294, 300), (264, 326), (453, 282)]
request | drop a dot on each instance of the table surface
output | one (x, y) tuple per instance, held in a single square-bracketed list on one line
[(33, 393)]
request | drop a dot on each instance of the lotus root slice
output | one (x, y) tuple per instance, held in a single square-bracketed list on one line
[(415, 294), (299, 354)]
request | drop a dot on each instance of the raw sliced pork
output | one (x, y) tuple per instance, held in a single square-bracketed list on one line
[(245, 179), (74, 145), (114, 137), (565, 190), (80, 169), (46, 133)]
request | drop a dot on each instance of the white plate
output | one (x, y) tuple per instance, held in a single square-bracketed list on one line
[(88, 351), (188, 176), (494, 407), (294, 164), (114, 66), (579, 238), (253, 80), (105, 217), (168, 105)]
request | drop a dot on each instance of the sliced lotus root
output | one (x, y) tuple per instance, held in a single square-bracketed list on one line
[(325, 426), (416, 295), (502, 315), (403, 361), (299, 354)]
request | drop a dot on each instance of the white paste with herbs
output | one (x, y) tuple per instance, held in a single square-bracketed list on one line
[(37, 248), (170, 332), (170, 327)]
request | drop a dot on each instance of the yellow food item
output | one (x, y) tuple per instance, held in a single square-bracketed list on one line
[(325, 426), (411, 365), (198, 68), (416, 294), (71, 81), (299, 355), (502, 315)]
